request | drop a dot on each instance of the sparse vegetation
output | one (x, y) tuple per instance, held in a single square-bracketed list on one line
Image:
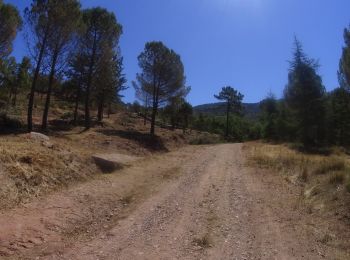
[(30, 169), (323, 178), (204, 138), (330, 165), (203, 242), (126, 200), (337, 178)]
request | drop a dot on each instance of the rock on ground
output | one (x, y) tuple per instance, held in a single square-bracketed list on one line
[(39, 137), (111, 162)]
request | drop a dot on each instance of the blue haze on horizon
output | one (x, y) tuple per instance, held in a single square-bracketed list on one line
[(242, 43)]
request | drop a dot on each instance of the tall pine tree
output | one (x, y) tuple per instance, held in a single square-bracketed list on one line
[(304, 95)]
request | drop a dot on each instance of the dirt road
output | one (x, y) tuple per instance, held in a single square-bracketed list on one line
[(196, 203)]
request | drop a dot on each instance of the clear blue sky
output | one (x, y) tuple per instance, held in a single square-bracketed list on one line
[(242, 43)]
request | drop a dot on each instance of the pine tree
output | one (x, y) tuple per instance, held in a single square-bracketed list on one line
[(10, 22), (102, 33), (269, 116), (344, 64), (305, 95), (109, 81), (162, 77), (233, 101), (65, 16), (39, 21), (338, 117)]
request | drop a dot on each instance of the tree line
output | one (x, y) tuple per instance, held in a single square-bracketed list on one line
[(307, 113), (75, 54)]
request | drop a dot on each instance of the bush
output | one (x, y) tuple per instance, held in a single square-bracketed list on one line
[(205, 139), (11, 123)]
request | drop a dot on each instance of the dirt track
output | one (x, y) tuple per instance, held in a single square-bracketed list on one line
[(196, 203)]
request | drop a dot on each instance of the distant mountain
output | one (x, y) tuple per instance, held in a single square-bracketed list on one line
[(251, 110)]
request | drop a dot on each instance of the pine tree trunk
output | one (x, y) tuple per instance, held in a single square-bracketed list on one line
[(227, 118), (10, 96), (49, 91), (156, 88), (14, 100), (35, 79), (109, 110), (88, 87), (100, 112), (146, 111), (77, 97), (153, 120), (145, 116), (87, 109)]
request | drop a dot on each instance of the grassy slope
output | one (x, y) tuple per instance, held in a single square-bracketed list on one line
[(324, 182)]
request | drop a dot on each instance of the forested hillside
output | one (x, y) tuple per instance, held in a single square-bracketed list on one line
[(250, 110)]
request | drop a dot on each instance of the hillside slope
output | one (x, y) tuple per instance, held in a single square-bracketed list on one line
[(31, 167)]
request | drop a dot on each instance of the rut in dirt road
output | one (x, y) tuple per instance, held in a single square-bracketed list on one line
[(216, 208)]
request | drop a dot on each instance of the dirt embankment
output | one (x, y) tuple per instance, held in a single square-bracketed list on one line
[(199, 202)]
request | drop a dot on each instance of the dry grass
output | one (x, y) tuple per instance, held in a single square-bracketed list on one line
[(323, 178), (323, 183), (203, 242), (330, 165), (30, 169), (292, 162), (337, 178), (205, 138)]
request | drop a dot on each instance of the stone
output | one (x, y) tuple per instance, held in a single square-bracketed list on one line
[(39, 137), (109, 163)]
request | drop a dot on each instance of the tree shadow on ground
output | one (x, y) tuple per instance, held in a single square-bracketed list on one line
[(312, 150), (61, 125), (151, 143), (12, 131)]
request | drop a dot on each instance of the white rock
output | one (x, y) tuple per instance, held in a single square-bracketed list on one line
[(39, 137)]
